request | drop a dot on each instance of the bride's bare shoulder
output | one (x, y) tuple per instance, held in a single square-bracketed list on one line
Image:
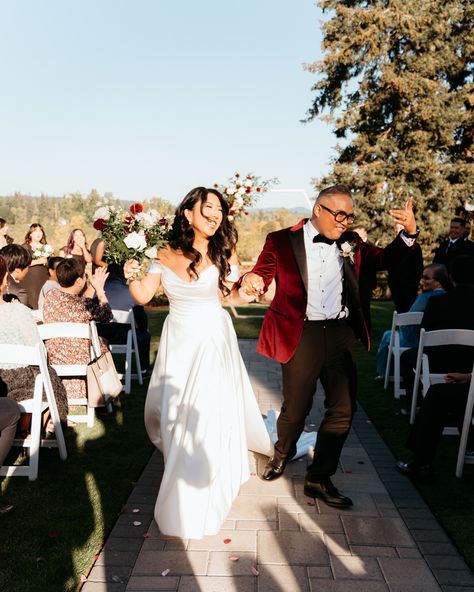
[(169, 255)]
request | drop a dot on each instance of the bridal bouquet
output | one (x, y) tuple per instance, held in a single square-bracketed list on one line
[(131, 234), (43, 251), (242, 191)]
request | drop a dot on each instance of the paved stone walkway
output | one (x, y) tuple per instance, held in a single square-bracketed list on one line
[(278, 540)]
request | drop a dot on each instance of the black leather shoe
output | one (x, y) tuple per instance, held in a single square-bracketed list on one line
[(273, 469), (276, 465), (326, 492), (416, 471)]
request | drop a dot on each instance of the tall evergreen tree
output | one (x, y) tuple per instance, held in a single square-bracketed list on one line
[(397, 83)]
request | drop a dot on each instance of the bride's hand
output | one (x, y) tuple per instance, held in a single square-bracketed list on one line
[(131, 269)]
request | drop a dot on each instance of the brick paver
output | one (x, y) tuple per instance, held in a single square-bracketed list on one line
[(281, 540)]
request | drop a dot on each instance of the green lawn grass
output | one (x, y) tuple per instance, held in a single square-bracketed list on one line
[(64, 517)]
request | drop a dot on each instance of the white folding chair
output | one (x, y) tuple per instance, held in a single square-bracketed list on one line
[(422, 370), (129, 348), (34, 356), (78, 331), (468, 421), (399, 319)]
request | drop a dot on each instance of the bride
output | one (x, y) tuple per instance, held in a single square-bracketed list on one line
[(200, 409)]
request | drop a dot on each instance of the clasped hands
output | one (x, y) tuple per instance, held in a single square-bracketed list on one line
[(252, 285)]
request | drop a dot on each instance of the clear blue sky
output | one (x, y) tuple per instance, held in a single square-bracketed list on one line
[(150, 98)]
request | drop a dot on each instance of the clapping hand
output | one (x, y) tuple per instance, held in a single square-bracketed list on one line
[(405, 217), (457, 377), (98, 280)]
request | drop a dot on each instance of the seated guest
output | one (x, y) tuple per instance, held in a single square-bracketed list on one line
[(9, 416), (52, 283), (18, 327), (67, 305), (452, 310), (443, 402), (18, 261), (433, 281), (119, 298)]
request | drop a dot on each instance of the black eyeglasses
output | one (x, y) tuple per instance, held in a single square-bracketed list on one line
[(340, 215)]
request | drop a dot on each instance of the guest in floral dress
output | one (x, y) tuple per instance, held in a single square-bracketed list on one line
[(18, 327), (72, 303)]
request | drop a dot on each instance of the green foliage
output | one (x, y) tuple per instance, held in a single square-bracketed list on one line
[(397, 83)]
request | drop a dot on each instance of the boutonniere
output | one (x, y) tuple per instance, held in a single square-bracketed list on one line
[(348, 249)]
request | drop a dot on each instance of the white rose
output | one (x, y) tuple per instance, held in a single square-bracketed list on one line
[(48, 249), (248, 183), (238, 202), (151, 253), (37, 253), (241, 190), (136, 240), (230, 190), (103, 213)]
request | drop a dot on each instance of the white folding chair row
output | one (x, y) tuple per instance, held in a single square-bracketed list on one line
[(399, 319), (467, 423), (129, 348), (34, 356), (78, 331)]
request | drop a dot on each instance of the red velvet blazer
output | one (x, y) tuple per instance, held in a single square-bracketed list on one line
[(283, 258)]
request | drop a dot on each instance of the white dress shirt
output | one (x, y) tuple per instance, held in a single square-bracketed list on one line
[(325, 277)]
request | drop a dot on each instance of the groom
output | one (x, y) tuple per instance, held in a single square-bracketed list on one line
[(312, 324)]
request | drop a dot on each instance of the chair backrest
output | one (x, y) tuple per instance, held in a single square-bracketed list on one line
[(123, 316), (402, 319), (438, 337), (446, 337), (72, 330)]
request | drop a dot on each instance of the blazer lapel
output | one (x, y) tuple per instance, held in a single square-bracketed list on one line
[(297, 243), (351, 284)]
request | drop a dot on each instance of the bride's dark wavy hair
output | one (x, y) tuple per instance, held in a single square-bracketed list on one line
[(221, 244)]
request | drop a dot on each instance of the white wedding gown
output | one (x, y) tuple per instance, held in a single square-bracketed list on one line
[(200, 409)]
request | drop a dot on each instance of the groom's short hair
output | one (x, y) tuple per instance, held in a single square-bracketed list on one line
[(334, 190)]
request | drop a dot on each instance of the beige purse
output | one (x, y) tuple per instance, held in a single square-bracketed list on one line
[(103, 382)]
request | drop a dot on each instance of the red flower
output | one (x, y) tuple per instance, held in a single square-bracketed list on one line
[(99, 224), (248, 190), (258, 190), (136, 208), (129, 220)]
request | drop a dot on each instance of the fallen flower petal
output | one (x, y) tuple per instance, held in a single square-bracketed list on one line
[(83, 578), (147, 535), (255, 571), (165, 573), (310, 503), (227, 541), (234, 558), (253, 474), (136, 523), (135, 510)]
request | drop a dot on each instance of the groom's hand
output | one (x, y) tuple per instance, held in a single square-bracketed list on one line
[(253, 284), (405, 217)]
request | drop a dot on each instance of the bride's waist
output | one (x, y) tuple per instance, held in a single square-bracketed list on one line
[(199, 311)]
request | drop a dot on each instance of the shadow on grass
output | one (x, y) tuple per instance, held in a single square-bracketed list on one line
[(63, 518)]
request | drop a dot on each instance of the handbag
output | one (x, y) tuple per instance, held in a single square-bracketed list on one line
[(103, 382)]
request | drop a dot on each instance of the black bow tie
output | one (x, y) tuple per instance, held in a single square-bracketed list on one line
[(320, 238)]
